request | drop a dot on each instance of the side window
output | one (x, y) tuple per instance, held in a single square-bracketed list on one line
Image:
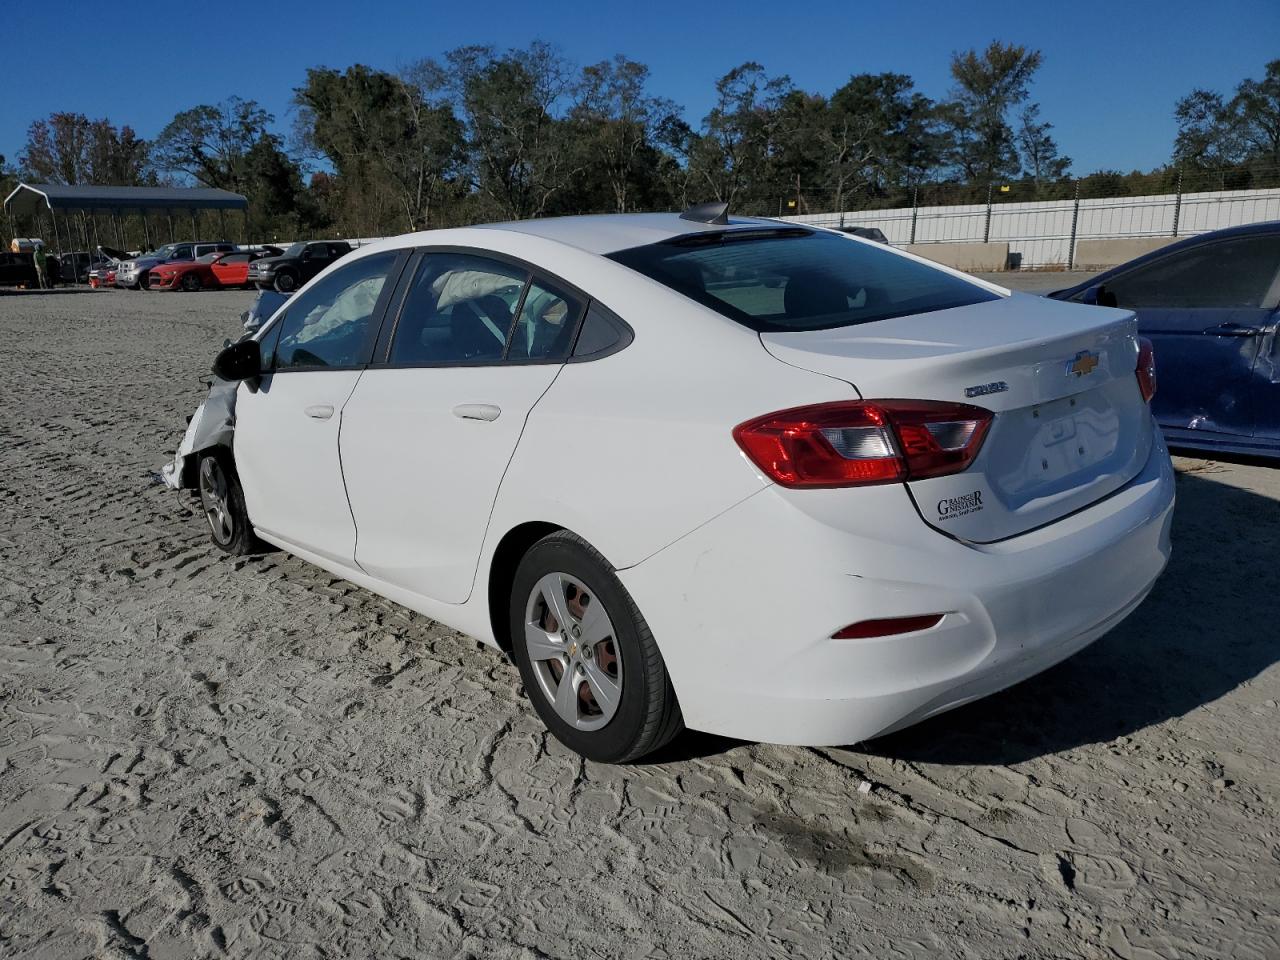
[(338, 249), (328, 325), (601, 334), (1229, 273), (182, 253), (458, 310), (316, 251), (545, 327)]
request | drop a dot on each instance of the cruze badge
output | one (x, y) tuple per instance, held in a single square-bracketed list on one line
[(982, 389), (1082, 364)]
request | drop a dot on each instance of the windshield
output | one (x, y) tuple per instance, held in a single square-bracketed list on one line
[(209, 257), (295, 250), (793, 279), (164, 252)]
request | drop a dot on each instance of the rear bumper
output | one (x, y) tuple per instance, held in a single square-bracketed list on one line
[(744, 607)]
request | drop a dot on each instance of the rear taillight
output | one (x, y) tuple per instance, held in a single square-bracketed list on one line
[(852, 443), (1146, 369)]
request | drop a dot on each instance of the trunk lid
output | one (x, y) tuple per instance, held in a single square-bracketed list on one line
[(1070, 424)]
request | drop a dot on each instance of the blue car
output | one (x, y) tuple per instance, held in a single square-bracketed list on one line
[(1208, 304)]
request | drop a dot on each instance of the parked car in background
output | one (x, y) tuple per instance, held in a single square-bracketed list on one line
[(260, 311), (765, 480), (135, 273), (188, 275), (19, 270), (232, 269), (77, 265), (1209, 305), (866, 233), (296, 265)]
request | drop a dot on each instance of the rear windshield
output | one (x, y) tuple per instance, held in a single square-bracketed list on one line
[(794, 279)]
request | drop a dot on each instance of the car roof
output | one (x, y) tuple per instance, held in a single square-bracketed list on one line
[(611, 232)]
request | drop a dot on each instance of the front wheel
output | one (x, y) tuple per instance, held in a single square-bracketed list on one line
[(222, 500), (587, 658), (285, 282), (191, 283)]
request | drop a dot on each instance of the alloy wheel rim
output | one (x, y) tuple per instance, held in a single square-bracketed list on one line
[(571, 646), (214, 499)]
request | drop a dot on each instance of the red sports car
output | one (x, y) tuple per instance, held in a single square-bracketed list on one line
[(212, 271)]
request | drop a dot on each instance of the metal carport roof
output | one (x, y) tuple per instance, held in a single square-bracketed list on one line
[(33, 198)]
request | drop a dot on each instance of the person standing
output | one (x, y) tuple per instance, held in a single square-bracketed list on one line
[(41, 262)]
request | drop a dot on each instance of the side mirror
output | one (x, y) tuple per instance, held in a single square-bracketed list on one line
[(239, 361), (1099, 296)]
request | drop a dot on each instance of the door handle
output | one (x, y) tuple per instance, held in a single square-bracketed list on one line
[(1232, 330), (477, 411), (319, 411)]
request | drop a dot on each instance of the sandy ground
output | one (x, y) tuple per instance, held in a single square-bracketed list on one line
[(202, 756)]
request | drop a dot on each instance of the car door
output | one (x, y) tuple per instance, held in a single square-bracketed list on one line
[(315, 257), (430, 430), (1205, 310), (1266, 373), (286, 436), (231, 269)]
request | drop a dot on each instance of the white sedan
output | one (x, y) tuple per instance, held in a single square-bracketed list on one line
[(753, 478)]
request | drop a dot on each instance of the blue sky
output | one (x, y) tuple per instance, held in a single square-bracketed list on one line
[(1111, 76)]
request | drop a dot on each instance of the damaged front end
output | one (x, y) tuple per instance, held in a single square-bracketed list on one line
[(210, 426)]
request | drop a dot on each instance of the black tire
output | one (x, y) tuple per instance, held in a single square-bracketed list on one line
[(191, 283), (144, 281), (286, 282), (228, 520), (647, 715)]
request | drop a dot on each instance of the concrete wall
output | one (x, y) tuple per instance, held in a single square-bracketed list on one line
[(1101, 254), (1038, 233), (973, 257)]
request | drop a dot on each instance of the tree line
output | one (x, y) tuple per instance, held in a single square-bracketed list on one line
[(482, 134)]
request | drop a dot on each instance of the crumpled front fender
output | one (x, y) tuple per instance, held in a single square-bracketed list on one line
[(212, 425)]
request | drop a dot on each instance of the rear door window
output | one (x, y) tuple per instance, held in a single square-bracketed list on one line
[(792, 279), (547, 321), (460, 308)]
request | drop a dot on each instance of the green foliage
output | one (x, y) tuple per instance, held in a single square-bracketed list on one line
[(484, 134), (1239, 136), (988, 86), (72, 149)]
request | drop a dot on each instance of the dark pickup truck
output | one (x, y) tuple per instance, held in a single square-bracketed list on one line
[(296, 265), (19, 270)]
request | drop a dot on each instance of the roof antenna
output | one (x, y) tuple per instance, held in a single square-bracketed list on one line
[(713, 212)]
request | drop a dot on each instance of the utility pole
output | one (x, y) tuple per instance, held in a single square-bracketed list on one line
[(1075, 220), (986, 232)]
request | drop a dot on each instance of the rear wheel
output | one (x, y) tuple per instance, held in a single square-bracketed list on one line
[(587, 658), (222, 500)]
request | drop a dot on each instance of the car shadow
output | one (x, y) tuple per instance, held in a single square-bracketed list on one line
[(1209, 625)]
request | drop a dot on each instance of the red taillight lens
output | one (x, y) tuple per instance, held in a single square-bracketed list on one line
[(1146, 369), (854, 443)]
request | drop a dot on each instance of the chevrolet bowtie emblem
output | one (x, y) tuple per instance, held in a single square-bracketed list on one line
[(1082, 364)]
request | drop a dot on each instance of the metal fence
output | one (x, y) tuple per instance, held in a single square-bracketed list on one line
[(1043, 234)]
